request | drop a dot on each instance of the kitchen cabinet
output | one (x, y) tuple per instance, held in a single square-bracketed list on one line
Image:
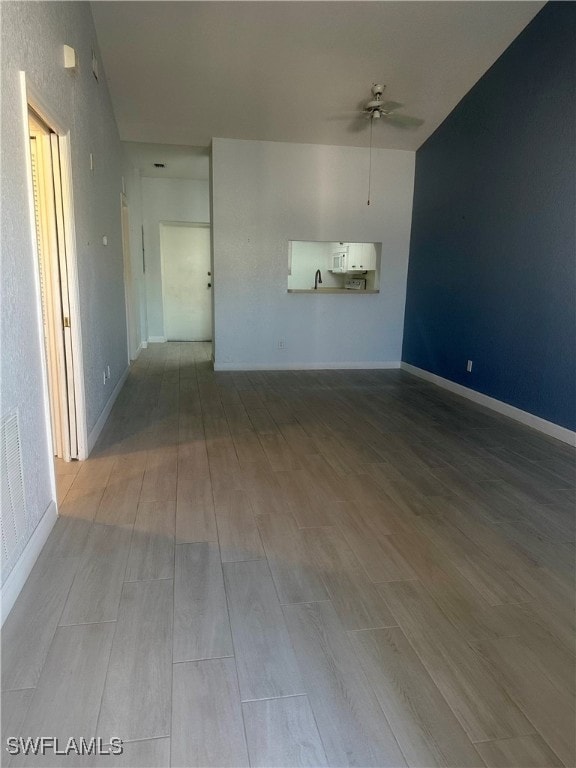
[(361, 257)]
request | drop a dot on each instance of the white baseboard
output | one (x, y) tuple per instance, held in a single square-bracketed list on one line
[(97, 428), (18, 575), (274, 366), (156, 339), (137, 353), (529, 419), (144, 345)]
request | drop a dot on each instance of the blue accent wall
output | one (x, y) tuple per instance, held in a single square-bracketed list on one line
[(492, 271)]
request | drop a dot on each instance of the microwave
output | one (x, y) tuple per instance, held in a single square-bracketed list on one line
[(339, 259)]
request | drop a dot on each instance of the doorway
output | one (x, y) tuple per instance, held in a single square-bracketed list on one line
[(50, 212), (186, 281)]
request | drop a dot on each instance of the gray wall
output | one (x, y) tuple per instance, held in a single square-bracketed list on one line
[(267, 193), (32, 38)]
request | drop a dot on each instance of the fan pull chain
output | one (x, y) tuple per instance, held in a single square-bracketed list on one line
[(370, 161)]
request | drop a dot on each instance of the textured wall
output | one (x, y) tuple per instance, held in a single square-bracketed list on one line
[(267, 193), (32, 39), (491, 275), (167, 200)]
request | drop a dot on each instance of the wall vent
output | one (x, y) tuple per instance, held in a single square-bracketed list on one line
[(14, 521)]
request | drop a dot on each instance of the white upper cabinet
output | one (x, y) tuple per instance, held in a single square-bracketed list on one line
[(361, 257)]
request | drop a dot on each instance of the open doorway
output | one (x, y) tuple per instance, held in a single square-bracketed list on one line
[(50, 212), (186, 281)]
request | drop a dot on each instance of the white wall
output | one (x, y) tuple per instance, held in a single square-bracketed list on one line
[(183, 200), (267, 193), (32, 38)]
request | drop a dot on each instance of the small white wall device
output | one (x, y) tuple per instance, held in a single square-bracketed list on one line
[(69, 57)]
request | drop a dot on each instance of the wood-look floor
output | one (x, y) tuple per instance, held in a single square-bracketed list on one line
[(302, 569)]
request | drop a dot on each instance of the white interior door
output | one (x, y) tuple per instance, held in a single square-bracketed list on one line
[(49, 211), (47, 244), (64, 295), (186, 282)]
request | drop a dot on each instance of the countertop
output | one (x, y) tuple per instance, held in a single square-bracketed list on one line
[(330, 290)]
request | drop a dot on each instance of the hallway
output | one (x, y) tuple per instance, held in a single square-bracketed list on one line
[(301, 568)]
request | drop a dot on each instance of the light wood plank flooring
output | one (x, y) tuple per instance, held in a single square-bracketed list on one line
[(344, 568)]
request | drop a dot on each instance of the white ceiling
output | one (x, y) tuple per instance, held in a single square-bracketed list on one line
[(184, 72), (180, 162)]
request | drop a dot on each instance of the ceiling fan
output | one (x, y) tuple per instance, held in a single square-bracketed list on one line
[(377, 109)]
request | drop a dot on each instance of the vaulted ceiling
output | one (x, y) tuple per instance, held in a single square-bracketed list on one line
[(184, 72)]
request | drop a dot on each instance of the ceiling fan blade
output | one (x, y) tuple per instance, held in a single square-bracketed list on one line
[(390, 106), (403, 121)]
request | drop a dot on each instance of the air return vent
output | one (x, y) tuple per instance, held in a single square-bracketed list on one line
[(14, 519)]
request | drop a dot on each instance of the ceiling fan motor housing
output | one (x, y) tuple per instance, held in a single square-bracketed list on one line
[(374, 107)]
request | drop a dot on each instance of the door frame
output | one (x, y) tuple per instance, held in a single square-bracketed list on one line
[(132, 319), (192, 225), (33, 98)]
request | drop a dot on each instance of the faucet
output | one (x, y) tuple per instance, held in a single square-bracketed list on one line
[(317, 279)]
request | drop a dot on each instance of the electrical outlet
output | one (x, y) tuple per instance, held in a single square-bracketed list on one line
[(469, 366), (104, 376), (281, 343)]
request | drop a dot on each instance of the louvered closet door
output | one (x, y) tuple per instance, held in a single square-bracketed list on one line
[(49, 270), (46, 293), (64, 296)]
